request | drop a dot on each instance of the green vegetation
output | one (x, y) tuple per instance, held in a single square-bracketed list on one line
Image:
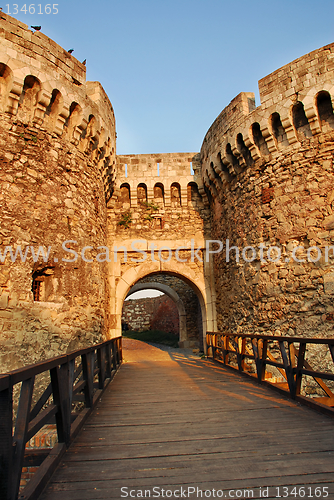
[(150, 208), (155, 336), (126, 219)]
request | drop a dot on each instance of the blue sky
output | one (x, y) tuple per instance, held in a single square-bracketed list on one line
[(170, 66)]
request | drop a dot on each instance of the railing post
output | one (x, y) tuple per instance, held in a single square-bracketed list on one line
[(6, 440), (120, 349), (108, 357), (102, 366), (61, 397), (241, 353), (300, 364), (114, 355), (256, 357), (288, 367), (20, 434), (331, 350), (263, 359), (88, 375)]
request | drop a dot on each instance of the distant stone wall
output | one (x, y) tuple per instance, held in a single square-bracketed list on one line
[(194, 327), (160, 195), (139, 314)]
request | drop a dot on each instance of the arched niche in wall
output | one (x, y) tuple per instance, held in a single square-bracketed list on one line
[(300, 121), (6, 79), (232, 159), (55, 105), (142, 193), (193, 196), (225, 174), (278, 131), (242, 148), (175, 194), (159, 194), (28, 99), (259, 139), (125, 194), (89, 135), (73, 119), (325, 110)]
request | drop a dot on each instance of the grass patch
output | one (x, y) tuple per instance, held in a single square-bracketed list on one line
[(155, 336)]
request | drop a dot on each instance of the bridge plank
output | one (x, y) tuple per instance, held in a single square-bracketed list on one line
[(182, 421)]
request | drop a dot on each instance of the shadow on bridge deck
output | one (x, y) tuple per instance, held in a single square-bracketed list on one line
[(172, 421)]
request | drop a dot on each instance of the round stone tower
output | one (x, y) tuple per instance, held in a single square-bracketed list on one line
[(57, 157), (269, 175)]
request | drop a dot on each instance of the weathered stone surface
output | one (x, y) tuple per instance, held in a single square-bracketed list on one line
[(56, 139), (285, 145)]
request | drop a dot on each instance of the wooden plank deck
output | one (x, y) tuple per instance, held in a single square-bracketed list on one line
[(171, 420)]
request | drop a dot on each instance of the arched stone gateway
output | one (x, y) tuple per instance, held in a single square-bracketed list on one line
[(128, 282), (263, 178), (163, 232)]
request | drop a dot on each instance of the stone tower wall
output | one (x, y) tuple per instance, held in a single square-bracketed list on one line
[(269, 175), (57, 169)]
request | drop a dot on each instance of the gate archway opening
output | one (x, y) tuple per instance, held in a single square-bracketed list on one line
[(167, 290), (189, 302)]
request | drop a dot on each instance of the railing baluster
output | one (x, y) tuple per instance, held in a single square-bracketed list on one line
[(6, 445), (263, 359), (71, 375), (300, 364), (88, 374), (60, 383), (226, 348), (20, 434), (119, 348), (102, 367), (255, 347), (108, 356), (287, 367), (331, 350), (114, 356)]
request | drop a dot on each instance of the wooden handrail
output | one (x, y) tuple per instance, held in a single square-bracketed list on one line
[(289, 361), (71, 373)]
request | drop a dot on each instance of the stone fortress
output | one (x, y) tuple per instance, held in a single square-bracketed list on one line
[(263, 178)]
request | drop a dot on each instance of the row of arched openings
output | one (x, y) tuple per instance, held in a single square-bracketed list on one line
[(29, 99), (300, 123), (159, 193)]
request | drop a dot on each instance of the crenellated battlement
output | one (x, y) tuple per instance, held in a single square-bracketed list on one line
[(170, 174), (296, 105)]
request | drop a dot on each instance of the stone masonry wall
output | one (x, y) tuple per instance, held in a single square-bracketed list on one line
[(269, 176), (57, 165), (157, 197), (190, 302), (138, 314)]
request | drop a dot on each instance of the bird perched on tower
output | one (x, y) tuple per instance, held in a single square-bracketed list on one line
[(70, 51), (36, 28), (84, 62)]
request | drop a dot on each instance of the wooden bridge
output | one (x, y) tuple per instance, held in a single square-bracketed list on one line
[(173, 425)]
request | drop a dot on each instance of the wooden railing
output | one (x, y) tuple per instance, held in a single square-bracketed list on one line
[(291, 358), (64, 395)]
